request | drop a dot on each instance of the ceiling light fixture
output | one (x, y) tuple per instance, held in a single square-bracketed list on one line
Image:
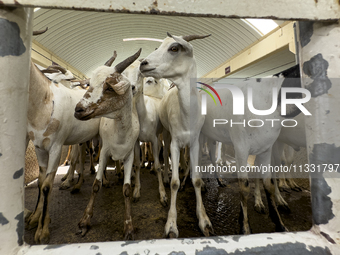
[(142, 39), (262, 26)]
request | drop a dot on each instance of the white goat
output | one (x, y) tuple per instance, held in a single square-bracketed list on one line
[(251, 140), (150, 126), (110, 96), (174, 60), (293, 138), (51, 124), (76, 152), (155, 87)]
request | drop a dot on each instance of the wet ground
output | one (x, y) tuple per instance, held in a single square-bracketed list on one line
[(149, 216)]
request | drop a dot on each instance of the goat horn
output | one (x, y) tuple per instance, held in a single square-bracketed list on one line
[(124, 64), (49, 70), (60, 68), (110, 61), (189, 38), (82, 82), (39, 32)]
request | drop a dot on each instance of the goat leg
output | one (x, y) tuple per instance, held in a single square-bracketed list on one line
[(128, 227), (85, 222)]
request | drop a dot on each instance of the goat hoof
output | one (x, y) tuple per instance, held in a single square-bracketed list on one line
[(31, 225), (42, 237), (259, 209), (65, 185), (93, 171), (75, 190), (128, 232), (297, 189), (82, 231), (62, 187), (135, 199), (208, 230), (164, 201), (129, 236), (64, 177), (83, 228), (172, 235), (45, 239), (284, 208), (285, 189), (246, 230), (27, 215), (32, 222)]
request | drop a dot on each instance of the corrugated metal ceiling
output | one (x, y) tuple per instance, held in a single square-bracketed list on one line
[(87, 39)]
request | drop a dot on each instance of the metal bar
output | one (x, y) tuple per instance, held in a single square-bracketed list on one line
[(15, 42), (319, 64), (315, 38), (288, 9), (277, 243)]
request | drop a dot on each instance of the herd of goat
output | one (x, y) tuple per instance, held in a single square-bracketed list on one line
[(131, 103)]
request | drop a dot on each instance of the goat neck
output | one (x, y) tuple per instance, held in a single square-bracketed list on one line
[(140, 105), (136, 79), (124, 120), (185, 93), (40, 106)]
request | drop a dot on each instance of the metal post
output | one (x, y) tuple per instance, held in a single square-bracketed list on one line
[(15, 52), (320, 68)]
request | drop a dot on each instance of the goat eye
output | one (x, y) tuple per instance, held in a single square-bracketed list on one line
[(174, 49)]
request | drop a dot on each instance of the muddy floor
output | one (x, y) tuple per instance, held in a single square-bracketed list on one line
[(149, 216)]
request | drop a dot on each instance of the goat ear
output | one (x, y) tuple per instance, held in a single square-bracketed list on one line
[(120, 87)]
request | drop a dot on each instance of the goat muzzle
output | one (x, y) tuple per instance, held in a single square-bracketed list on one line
[(79, 112)]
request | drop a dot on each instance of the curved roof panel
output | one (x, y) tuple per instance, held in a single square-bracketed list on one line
[(87, 39)]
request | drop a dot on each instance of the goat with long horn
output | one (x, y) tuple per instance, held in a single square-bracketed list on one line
[(110, 95)]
